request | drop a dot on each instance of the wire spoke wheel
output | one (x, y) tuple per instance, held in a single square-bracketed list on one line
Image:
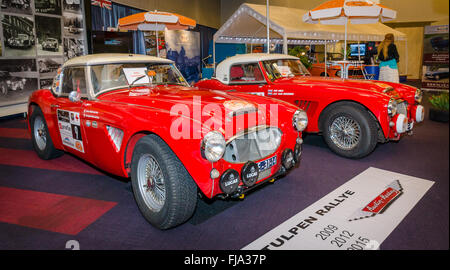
[(151, 182), (40, 134), (345, 132)]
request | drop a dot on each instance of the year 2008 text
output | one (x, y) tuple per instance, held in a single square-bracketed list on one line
[(343, 238)]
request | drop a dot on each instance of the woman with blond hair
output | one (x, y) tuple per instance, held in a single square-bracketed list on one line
[(388, 56)]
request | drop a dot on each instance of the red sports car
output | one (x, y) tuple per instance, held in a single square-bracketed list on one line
[(352, 115), (135, 116)]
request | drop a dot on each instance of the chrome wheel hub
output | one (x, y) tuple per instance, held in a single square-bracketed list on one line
[(40, 135), (151, 182), (345, 132)]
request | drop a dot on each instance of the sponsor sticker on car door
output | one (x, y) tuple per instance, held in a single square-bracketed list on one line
[(70, 130)]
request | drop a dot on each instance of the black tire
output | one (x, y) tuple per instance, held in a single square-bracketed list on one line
[(180, 189), (48, 151), (359, 118)]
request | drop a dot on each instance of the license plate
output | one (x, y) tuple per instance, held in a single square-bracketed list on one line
[(267, 163)]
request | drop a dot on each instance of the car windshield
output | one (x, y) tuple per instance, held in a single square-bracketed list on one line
[(284, 68), (114, 76)]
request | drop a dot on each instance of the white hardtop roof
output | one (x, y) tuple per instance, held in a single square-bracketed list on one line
[(254, 57), (223, 68), (110, 58), (249, 21)]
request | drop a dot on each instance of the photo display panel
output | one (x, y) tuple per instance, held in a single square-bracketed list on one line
[(36, 38), (435, 68)]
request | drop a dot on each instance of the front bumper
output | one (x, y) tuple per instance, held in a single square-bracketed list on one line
[(404, 120), (231, 181)]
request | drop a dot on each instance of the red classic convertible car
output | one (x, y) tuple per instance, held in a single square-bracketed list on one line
[(352, 115), (135, 116)]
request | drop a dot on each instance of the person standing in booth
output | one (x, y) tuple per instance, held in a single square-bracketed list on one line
[(388, 56)]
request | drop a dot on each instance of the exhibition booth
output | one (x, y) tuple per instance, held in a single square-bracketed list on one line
[(248, 25), (292, 126)]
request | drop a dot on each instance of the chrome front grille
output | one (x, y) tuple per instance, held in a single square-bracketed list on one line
[(253, 144), (402, 108)]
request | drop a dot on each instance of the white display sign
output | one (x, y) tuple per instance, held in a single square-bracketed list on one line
[(360, 214), (285, 71), (136, 75)]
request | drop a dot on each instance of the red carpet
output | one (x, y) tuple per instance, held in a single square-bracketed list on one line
[(51, 212), (17, 133), (26, 158)]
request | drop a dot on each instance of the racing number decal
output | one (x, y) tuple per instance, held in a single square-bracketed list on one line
[(69, 128)]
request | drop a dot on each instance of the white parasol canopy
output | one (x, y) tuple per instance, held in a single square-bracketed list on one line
[(342, 12)]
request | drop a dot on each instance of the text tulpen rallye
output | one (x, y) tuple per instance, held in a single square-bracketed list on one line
[(135, 116)]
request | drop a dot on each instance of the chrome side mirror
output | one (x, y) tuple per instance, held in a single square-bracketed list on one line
[(74, 96)]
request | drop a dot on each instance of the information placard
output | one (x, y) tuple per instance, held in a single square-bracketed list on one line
[(435, 73), (358, 215)]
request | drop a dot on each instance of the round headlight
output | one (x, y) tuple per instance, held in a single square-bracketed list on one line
[(300, 120), (392, 107), (418, 95), (213, 146)]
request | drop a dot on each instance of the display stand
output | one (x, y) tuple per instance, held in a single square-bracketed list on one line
[(345, 65)]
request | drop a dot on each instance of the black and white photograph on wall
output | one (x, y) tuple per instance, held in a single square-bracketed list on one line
[(45, 83), (73, 6), (18, 79), (47, 67), (73, 47), (73, 24), (48, 6), (48, 35), (18, 35), (17, 6)]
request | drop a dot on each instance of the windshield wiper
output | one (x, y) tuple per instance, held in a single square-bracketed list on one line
[(177, 83), (135, 80), (172, 83)]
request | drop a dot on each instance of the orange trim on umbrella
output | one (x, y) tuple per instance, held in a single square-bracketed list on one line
[(132, 19), (359, 4), (131, 22), (185, 20), (330, 4)]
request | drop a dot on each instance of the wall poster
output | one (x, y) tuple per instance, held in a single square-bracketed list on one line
[(435, 74), (183, 47), (36, 37)]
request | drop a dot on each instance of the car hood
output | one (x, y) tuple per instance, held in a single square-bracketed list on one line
[(396, 91), (208, 106)]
